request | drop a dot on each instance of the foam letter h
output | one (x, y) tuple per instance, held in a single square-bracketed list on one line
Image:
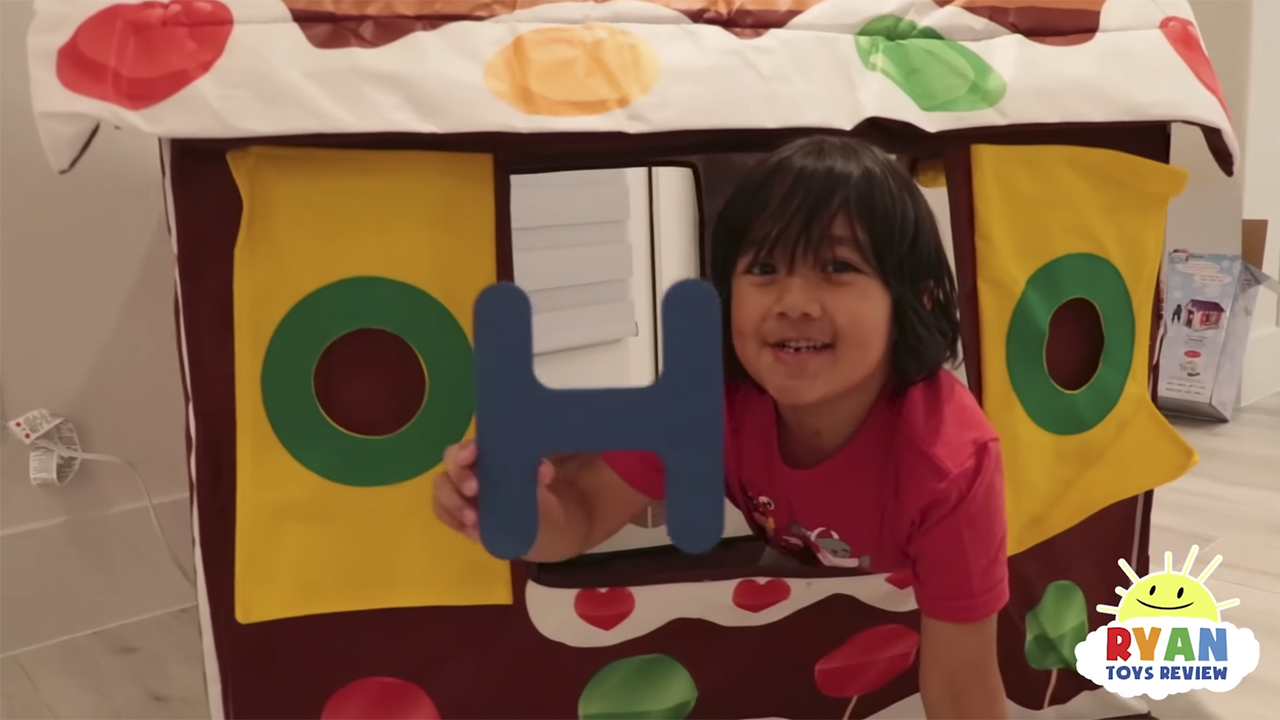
[(519, 421)]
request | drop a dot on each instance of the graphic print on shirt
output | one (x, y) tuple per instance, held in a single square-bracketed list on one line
[(823, 545), (762, 513), (829, 548)]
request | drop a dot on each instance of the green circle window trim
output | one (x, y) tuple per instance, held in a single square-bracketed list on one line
[(288, 393), (1079, 275)]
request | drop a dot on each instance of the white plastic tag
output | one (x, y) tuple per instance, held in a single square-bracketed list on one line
[(48, 466), (56, 455), (32, 425)]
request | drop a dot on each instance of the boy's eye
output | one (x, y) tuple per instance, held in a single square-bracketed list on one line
[(762, 268), (840, 266)]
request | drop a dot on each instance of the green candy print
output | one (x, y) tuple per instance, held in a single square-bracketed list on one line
[(1055, 627), (644, 687), (939, 75)]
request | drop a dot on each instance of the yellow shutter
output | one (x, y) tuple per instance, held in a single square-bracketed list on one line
[(1054, 223), (332, 241)]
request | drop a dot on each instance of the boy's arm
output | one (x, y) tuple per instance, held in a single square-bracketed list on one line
[(960, 671), (585, 504), (960, 569)]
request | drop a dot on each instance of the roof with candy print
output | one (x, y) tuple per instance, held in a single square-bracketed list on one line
[(257, 68)]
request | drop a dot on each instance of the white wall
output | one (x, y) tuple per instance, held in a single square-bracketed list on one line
[(86, 306), (1240, 38), (1261, 190), (1206, 216)]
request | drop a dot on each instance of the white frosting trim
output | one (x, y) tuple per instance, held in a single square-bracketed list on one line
[(552, 609)]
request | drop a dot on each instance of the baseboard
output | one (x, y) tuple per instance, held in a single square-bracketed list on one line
[(1261, 366)]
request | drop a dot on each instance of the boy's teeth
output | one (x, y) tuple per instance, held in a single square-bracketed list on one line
[(802, 345)]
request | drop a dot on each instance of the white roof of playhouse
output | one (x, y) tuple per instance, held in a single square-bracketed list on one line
[(252, 68)]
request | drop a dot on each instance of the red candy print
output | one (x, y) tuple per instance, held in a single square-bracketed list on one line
[(137, 55), (867, 661), (605, 609), (755, 596), (1185, 39), (380, 698), (900, 579)]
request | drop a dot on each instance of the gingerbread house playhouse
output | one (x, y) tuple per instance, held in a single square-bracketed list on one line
[(338, 165)]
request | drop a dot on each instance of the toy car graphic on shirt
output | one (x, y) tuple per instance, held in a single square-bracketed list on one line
[(762, 513), (825, 544), (830, 549)]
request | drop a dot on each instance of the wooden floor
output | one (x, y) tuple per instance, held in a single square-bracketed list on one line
[(1229, 505)]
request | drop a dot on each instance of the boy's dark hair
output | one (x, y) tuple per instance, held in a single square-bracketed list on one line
[(784, 207)]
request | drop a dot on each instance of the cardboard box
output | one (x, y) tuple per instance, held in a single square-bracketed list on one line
[(1208, 309)]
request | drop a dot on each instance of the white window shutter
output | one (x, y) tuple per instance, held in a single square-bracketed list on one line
[(571, 255)]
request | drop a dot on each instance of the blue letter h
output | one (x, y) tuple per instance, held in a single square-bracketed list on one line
[(519, 421)]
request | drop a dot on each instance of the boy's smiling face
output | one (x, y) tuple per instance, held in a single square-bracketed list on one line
[(816, 330)]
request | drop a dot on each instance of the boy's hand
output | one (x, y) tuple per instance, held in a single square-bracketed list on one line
[(457, 487)]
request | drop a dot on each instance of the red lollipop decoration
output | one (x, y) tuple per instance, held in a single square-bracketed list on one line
[(380, 698), (137, 55), (866, 662)]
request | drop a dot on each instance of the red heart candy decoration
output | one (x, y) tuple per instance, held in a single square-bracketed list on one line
[(604, 608), (136, 55), (755, 596), (1185, 39)]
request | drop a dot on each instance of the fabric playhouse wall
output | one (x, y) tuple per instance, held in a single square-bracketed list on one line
[(337, 597)]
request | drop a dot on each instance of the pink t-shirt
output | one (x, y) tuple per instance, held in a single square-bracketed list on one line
[(919, 488)]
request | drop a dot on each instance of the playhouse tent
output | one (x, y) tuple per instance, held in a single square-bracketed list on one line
[(335, 166)]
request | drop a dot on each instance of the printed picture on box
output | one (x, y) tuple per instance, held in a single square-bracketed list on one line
[(1204, 315), (1191, 363)]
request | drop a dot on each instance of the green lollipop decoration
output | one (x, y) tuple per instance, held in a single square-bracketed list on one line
[(643, 687), (1054, 627), (939, 75)]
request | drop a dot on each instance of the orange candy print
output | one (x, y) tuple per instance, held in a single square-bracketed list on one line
[(574, 70)]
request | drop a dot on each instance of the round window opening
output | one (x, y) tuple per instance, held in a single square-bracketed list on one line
[(1073, 349)]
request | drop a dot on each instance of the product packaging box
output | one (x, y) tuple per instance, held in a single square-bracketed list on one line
[(1208, 312)]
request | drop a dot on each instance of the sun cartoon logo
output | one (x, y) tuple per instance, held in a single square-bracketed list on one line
[(1167, 637), (1169, 594)]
